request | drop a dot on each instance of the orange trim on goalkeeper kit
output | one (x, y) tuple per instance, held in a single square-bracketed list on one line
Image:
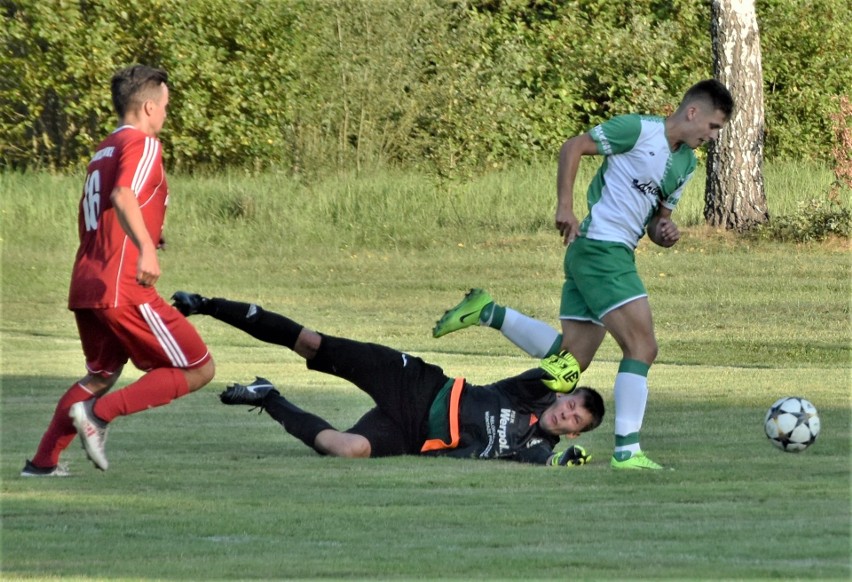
[(455, 435)]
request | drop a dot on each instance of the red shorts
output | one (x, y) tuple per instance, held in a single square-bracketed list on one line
[(151, 335)]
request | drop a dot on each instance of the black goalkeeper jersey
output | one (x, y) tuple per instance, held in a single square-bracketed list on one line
[(420, 409), (500, 420)]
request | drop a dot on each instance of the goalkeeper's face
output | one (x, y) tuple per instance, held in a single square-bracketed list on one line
[(567, 416)]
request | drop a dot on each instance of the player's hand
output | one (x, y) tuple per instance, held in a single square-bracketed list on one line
[(567, 225), (573, 456), (665, 232), (561, 372), (148, 268)]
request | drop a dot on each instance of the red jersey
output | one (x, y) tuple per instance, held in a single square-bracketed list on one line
[(104, 272)]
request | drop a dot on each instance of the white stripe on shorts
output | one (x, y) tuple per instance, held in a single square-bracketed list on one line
[(164, 336)]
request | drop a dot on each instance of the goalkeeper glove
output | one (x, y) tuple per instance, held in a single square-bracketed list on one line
[(561, 372), (572, 456)]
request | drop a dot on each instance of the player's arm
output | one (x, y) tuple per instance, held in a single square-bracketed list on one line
[(541, 454), (566, 174), (661, 230), (130, 217)]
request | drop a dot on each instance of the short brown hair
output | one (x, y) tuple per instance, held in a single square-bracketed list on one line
[(714, 92), (133, 85)]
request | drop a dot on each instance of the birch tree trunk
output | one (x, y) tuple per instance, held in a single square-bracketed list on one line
[(735, 197)]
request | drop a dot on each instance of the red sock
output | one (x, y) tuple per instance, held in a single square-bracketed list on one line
[(61, 431), (156, 388)]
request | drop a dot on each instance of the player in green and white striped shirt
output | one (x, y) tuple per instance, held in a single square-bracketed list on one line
[(647, 162)]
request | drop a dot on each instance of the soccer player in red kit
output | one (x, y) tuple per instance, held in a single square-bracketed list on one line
[(120, 316)]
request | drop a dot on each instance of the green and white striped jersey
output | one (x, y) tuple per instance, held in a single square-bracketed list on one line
[(639, 172)]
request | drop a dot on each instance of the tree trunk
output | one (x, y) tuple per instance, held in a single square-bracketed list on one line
[(735, 197)]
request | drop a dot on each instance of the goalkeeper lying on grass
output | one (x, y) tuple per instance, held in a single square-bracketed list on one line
[(419, 409)]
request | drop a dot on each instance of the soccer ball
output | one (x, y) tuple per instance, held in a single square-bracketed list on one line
[(792, 424)]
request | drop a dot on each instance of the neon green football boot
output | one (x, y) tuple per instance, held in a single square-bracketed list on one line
[(463, 315), (634, 461)]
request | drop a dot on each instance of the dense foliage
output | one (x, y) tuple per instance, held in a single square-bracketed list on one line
[(814, 220), (452, 86)]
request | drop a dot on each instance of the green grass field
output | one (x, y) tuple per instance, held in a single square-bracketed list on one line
[(197, 490)]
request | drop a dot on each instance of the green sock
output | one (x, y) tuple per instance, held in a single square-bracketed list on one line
[(492, 315), (625, 446), (555, 347)]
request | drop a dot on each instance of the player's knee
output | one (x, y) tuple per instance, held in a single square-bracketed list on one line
[(342, 444), (646, 352), (654, 351), (352, 448), (308, 343), (98, 385), (651, 350), (199, 377), (207, 372), (211, 372), (639, 346)]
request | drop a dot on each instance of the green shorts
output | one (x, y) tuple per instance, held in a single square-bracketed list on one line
[(599, 276)]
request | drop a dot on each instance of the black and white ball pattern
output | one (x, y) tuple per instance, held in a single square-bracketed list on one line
[(792, 424)]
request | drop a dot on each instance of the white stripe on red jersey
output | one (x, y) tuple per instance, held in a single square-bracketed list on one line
[(143, 169)]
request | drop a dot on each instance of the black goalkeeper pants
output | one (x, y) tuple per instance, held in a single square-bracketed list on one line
[(402, 386)]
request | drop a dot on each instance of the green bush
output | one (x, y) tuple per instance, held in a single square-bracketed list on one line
[(807, 61), (446, 86), (815, 220)]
